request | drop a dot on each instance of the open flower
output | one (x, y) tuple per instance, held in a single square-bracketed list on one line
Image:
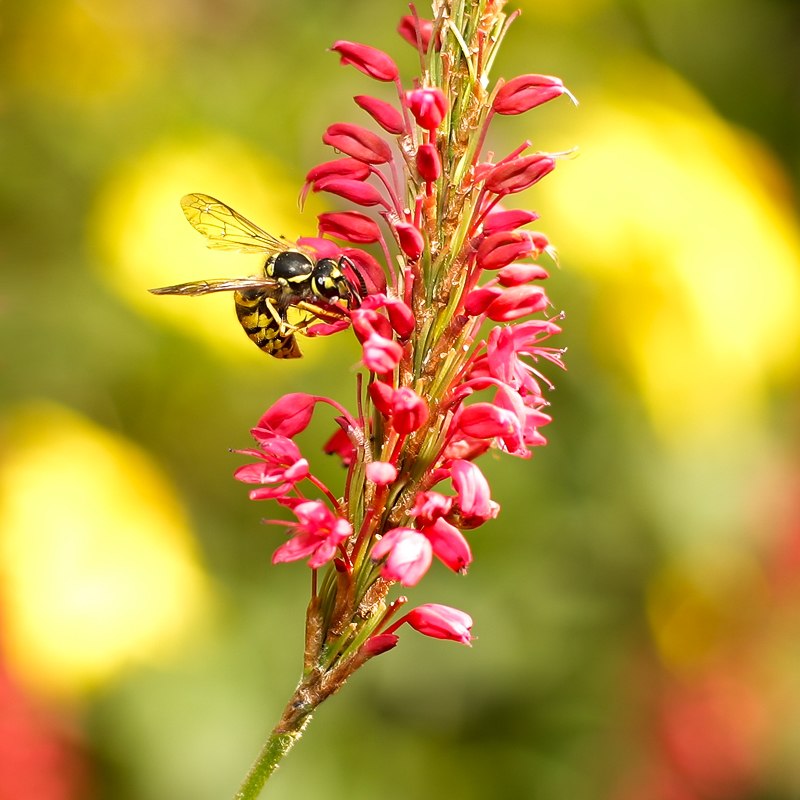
[(317, 533)]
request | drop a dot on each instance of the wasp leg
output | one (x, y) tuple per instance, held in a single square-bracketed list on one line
[(323, 313), (285, 327)]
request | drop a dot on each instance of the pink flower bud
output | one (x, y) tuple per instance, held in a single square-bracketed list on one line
[(516, 302), (507, 220), (409, 555), (429, 107), (363, 194), (381, 473), (519, 173), (385, 114), (429, 506), (526, 92), (517, 274), (380, 643), (501, 249), (381, 394), (441, 622), (400, 315), (352, 226), (368, 322), (289, 415), (428, 162), (409, 410), (339, 168), (368, 60), (412, 243), (475, 503), (486, 420), (449, 545), (381, 355), (358, 142), (408, 30)]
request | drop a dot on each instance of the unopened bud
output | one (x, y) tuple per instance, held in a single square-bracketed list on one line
[(503, 248), (526, 92), (385, 114), (507, 220), (428, 162), (352, 226), (358, 192), (408, 30), (412, 243), (369, 60), (358, 142), (429, 107), (519, 174)]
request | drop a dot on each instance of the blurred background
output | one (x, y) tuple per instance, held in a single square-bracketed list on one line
[(637, 603)]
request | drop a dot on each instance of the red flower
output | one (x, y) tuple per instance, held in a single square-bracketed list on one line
[(280, 464), (526, 92), (505, 305), (429, 506), (409, 410), (358, 142), (409, 555), (358, 192), (428, 162), (368, 60), (412, 242), (429, 107), (507, 220), (475, 504), (408, 30), (352, 226), (318, 533), (381, 355), (501, 249), (517, 274), (519, 173), (341, 445), (381, 473), (401, 316), (287, 417), (385, 114), (449, 545), (440, 622)]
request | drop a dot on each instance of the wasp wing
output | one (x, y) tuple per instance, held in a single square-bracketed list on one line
[(226, 229), (217, 285)]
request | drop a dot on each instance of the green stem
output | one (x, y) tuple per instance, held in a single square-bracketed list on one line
[(275, 748)]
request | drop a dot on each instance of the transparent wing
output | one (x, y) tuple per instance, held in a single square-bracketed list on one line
[(216, 285), (226, 229)]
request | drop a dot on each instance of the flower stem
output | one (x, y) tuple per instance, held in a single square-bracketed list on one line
[(275, 748)]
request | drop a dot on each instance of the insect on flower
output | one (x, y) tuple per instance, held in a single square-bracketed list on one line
[(291, 279)]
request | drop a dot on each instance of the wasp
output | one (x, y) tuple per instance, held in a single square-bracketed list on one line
[(290, 279)]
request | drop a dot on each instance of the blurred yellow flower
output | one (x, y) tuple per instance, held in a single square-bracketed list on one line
[(97, 564), (685, 223)]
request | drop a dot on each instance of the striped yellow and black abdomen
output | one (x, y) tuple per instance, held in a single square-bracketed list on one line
[(260, 324)]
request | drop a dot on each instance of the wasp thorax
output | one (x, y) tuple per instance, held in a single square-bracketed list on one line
[(292, 267)]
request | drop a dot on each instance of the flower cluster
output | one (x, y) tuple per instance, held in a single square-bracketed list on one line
[(442, 387), (442, 204)]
